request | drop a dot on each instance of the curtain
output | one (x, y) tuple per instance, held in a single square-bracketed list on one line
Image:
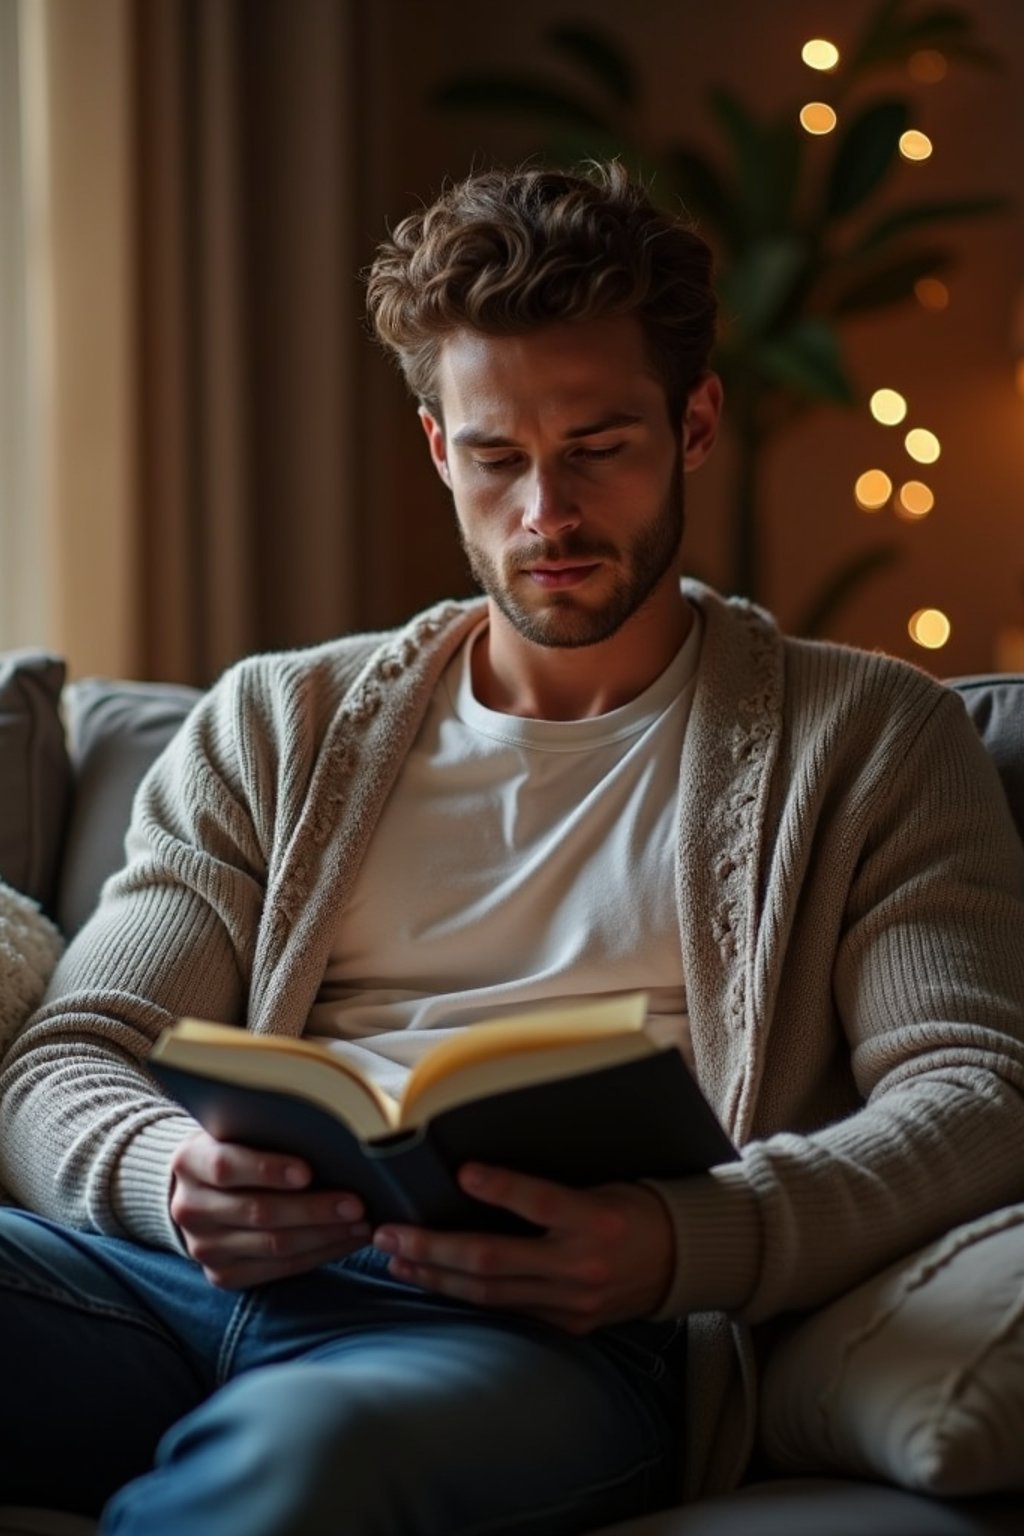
[(196, 279), (248, 324)]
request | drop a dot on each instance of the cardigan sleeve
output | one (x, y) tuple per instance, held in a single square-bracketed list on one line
[(924, 994), (88, 1137)]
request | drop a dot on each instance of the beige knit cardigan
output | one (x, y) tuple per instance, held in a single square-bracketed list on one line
[(851, 919)]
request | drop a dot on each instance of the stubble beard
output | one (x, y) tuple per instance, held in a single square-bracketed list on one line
[(563, 621)]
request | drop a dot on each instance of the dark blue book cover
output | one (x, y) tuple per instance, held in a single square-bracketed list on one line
[(643, 1118)]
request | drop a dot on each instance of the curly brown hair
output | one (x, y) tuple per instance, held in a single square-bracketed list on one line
[(506, 252)]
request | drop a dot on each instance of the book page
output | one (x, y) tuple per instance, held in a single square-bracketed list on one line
[(489, 1054), (233, 1055), (501, 1074)]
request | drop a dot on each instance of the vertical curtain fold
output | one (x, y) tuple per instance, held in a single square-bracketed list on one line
[(196, 556), (191, 312), (247, 322)]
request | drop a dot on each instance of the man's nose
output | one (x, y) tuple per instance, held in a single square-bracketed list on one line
[(551, 506)]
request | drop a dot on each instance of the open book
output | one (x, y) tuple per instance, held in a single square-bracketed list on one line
[(578, 1093)]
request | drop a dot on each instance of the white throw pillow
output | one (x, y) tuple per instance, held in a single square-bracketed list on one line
[(917, 1376), (30, 947)]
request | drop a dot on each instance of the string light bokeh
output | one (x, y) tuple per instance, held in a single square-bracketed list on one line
[(817, 117), (873, 489)]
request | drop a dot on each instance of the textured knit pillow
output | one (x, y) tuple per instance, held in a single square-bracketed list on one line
[(917, 1376), (30, 947)]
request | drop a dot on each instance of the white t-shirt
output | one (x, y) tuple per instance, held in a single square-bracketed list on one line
[(516, 862)]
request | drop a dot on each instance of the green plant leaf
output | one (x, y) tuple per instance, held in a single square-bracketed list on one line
[(784, 144), (760, 282), (913, 215), (892, 283), (864, 155), (743, 135), (842, 585), (740, 127), (806, 359), (570, 147), (766, 157), (890, 38), (519, 96), (880, 25), (600, 56), (704, 192)]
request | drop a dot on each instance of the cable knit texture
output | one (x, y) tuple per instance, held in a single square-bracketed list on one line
[(30, 947), (851, 913)]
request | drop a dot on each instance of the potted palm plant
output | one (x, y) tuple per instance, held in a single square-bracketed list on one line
[(801, 241)]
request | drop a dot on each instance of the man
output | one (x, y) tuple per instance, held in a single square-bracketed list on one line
[(596, 779)]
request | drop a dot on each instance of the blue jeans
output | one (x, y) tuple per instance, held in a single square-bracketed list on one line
[(339, 1403)]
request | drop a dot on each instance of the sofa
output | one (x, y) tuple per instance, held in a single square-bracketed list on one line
[(897, 1409)]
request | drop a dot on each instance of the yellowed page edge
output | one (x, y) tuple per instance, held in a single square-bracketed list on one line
[(481, 1078), (560, 1025), (241, 1044)]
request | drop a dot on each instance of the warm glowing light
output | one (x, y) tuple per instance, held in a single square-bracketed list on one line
[(820, 54), (817, 117), (888, 407), (913, 500), (922, 446), (1020, 376), (927, 66), (915, 145), (931, 293), (872, 490), (929, 627)]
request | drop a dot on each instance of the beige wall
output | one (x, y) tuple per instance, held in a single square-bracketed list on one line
[(955, 367)]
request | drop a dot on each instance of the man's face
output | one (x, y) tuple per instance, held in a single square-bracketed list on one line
[(566, 472)]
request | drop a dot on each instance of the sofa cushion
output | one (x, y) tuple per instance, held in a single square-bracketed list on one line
[(43, 1522), (996, 705), (115, 730), (811, 1506), (35, 775), (917, 1376)]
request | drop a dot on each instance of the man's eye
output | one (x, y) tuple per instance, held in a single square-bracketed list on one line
[(595, 454), (497, 466)]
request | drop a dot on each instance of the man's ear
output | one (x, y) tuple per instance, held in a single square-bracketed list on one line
[(700, 420), (438, 445)]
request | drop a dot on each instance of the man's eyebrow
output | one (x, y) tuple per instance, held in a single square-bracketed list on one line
[(472, 437)]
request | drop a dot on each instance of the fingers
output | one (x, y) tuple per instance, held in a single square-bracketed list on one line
[(225, 1165), (486, 1256), (235, 1272), (199, 1207), (537, 1200), (248, 1218), (605, 1255), (576, 1307), (242, 1241)]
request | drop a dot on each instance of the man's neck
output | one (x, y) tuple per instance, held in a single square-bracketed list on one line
[(515, 676)]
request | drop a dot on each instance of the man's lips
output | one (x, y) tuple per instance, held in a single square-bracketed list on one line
[(552, 576)]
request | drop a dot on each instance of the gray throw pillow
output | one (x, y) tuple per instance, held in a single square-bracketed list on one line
[(996, 705), (115, 731), (35, 775)]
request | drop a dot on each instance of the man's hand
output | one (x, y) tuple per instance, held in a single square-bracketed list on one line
[(249, 1217), (605, 1255)]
